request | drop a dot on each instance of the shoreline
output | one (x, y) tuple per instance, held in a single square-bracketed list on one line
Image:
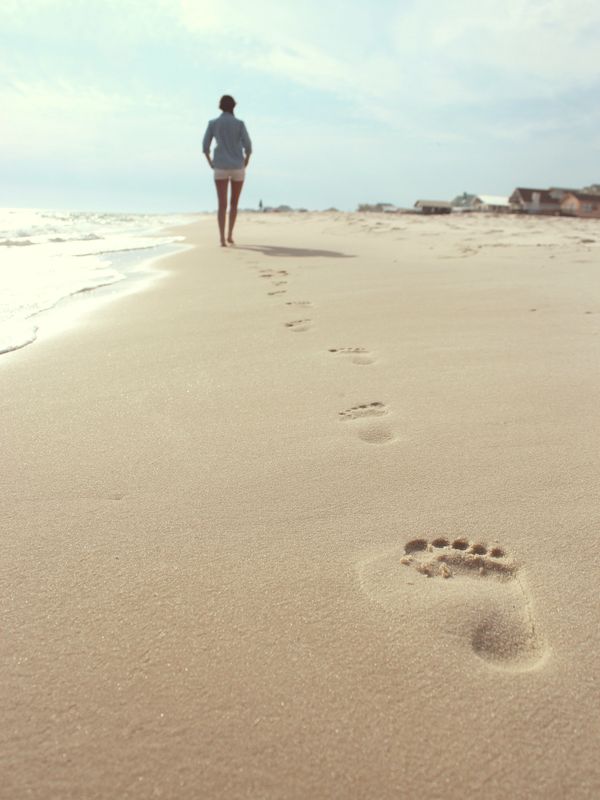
[(70, 310), (56, 261), (232, 500)]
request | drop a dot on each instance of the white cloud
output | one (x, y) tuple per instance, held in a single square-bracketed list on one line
[(49, 119), (311, 44), (18, 10), (535, 39), (441, 52), (382, 58)]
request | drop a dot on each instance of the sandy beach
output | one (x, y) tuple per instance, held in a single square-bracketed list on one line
[(312, 517)]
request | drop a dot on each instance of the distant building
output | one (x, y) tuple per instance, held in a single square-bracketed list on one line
[(434, 206), (378, 207), (464, 200), (580, 204), (490, 202), (558, 193), (535, 201)]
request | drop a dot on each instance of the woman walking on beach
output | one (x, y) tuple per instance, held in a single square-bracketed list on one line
[(229, 162)]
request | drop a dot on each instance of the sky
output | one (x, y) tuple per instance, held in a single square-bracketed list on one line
[(104, 103)]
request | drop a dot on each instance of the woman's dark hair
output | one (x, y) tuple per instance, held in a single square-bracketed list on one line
[(227, 103)]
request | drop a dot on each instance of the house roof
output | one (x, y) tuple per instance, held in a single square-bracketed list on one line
[(493, 200), (586, 197), (527, 195), (433, 204)]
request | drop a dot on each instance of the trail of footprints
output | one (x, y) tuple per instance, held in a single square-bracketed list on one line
[(278, 278), (364, 416), (472, 588), (273, 273)]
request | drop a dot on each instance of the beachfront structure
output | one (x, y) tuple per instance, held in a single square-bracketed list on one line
[(464, 201), (389, 208), (490, 202), (558, 192), (580, 204), (534, 201), (433, 206)]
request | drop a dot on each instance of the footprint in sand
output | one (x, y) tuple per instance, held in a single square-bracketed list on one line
[(305, 303), (369, 429), (474, 592), (273, 273), (277, 291), (299, 325), (358, 355)]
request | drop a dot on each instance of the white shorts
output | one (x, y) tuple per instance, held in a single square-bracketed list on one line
[(225, 174)]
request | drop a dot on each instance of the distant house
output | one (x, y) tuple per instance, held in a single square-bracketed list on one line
[(558, 193), (385, 207), (534, 201), (580, 204), (490, 202), (464, 201), (433, 206)]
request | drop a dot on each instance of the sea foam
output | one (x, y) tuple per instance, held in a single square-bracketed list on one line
[(46, 256)]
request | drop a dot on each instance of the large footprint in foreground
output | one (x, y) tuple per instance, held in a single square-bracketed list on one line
[(475, 592)]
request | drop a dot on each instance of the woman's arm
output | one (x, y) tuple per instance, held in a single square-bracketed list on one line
[(246, 144), (206, 142)]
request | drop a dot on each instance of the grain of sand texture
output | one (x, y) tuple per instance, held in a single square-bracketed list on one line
[(312, 517)]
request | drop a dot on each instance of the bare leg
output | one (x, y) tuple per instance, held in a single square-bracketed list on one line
[(222, 195), (236, 190)]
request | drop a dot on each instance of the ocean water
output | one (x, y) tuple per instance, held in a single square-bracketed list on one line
[(46, 256)]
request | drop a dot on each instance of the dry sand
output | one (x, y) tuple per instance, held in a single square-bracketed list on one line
[(314, 517)]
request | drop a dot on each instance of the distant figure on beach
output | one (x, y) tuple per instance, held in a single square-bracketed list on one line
[(229, 161)]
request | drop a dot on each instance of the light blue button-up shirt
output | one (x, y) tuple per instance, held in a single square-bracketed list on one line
[(232, 139)]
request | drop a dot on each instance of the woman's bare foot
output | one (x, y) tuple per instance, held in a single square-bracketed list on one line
[(230, 240), (223, 243)]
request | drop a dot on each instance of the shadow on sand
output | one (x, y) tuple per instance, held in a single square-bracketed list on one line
[(292, 252)]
